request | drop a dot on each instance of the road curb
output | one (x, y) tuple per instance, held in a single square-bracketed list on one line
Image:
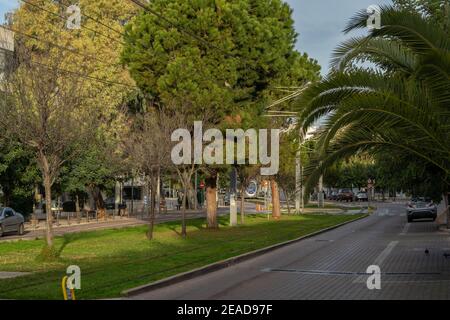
[(225, 263)]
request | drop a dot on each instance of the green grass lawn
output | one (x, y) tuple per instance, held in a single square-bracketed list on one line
[(354, 206), (117, 259)]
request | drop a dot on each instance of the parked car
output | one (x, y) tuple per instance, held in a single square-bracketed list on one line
[(11, 221), (226, 199), (421, 208), (333, 195), (110, 204), (361, 196), (345, 195), (41, 209)]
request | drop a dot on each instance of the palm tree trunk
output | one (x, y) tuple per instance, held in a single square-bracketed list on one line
[(276, 213)]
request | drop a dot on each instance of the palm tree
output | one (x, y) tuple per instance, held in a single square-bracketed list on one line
[(387, 92)]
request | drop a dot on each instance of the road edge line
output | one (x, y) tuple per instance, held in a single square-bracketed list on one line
[(225, 263)]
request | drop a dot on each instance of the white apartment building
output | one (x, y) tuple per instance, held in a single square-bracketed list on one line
[(6, 48)]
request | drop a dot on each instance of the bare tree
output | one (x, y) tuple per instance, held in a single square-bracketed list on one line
[(183, 120), (148, 149), (246, 173), (45, 111)]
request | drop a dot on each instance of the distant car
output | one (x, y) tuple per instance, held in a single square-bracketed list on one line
[(110, 204), (333, 195), (41, 209), (421, 208), (362, 196), (11, 221), (226, 200), (345, 195)]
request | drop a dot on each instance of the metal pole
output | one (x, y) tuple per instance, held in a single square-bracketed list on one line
[(298, 193), (195, 190), (299, 205)]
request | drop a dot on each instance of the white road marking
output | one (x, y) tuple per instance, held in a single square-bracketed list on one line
[(379, 260), (405, 229), (385, 253)]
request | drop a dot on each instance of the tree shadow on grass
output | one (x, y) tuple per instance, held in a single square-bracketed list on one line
[(195, 223), (67, 239)]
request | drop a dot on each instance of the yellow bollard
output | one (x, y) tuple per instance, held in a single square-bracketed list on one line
[(68, 294)]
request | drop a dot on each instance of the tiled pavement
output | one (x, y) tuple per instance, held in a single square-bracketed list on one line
[(332, 265)]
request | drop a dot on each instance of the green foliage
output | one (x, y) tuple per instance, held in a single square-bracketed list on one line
[(400, 107), (435, 10), (90, 169), (245, 46), (351, 173), (408, 175), (18, 176)]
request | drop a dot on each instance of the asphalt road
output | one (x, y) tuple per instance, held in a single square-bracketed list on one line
[(333, 265)]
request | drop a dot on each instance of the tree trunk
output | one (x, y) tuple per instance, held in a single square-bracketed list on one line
[(211, 202), (152, 208), (242, 204), (446, 202), (77, 207), (276, 213), (48, 204), (98, 200), (158, 182), (288, 197), (183, 217), (6, 196)]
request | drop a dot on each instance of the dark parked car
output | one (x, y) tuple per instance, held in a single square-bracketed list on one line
[(110, 204), (421, 208), (333, 195), (345, 195), (11, 221)]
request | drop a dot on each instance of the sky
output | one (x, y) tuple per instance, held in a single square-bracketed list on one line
[(319, 23), (5, 6)]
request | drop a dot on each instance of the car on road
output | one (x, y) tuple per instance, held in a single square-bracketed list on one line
[(421, 208), (361, 196), (11, 221), (345, 195)]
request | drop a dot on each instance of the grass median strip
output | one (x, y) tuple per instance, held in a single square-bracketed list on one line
[(117, 259)]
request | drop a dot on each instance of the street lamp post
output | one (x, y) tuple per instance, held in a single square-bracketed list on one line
[(294, 92)]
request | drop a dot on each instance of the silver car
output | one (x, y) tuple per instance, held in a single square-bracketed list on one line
[(11, 221), (362, 196)]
